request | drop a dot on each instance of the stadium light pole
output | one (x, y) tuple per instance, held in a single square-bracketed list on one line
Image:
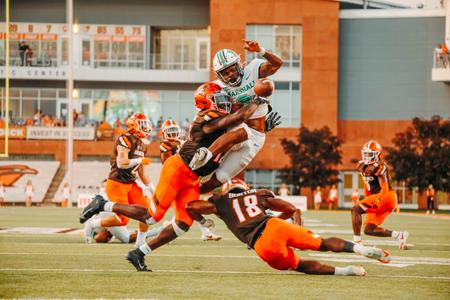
[(6, 111), (447, 22), (69, 87)]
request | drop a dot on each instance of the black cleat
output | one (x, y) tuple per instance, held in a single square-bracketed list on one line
[(136, 258), (97, 205)]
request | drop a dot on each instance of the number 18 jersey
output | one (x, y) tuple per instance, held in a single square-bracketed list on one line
[(243, 213)]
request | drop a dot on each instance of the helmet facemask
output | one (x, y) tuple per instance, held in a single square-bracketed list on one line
[(144, 129), (232, 74), (172, 132), (369, 156)]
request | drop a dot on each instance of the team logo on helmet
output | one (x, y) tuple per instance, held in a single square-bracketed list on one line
[(139, 124), (225, 59), (371, 152), (234, 184)]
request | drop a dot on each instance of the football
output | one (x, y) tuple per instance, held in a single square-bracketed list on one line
[(263, 87)]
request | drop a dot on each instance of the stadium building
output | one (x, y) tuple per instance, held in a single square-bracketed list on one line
[(362, 68)]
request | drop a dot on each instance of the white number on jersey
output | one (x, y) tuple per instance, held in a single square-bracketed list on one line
[(251, 206)]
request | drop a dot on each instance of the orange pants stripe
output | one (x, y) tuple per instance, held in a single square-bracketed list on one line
[(376, 208), (126, 193), (177, 186), (274, 244)]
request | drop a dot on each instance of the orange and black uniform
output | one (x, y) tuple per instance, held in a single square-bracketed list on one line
[(168, 148), (379, 201), (178, 184), (270, 237), (121, 186)]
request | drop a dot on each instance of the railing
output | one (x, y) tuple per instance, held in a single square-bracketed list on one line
[(149, 61), (441, 60)]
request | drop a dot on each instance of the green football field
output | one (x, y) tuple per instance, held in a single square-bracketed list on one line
[(57, 265)]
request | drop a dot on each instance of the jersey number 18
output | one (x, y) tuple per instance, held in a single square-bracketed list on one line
[(251, 206)]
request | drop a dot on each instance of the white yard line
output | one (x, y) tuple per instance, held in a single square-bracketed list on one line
[(280, 273)]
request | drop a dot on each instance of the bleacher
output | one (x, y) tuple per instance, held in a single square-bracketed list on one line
[(15, 174)]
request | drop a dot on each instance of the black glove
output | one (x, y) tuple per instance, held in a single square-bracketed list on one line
[(260, 100), (272, 121)]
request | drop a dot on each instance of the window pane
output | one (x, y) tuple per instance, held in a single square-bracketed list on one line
[(64, 51), (48, 107), (48, 93), (101, 54), (30, 93), (119, 54), (86, 55), (49, 50), (282, 47), (29, 108)]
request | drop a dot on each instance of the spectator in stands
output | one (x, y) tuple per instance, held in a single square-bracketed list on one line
[(75, 116), (46, 121), (66, 196), (37, 117), (430, 199), (23, 51), (29, 56), (284, 190), (444, 55), (317, 198), (332, 197), (29, 192), (2, 194), (185, 125)]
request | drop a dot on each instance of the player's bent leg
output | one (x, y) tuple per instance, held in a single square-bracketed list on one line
[(357, 213), (121, 233), (335, 244), (210, 185), (317, 268)]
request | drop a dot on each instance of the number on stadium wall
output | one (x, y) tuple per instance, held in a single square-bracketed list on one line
[(251, 206)]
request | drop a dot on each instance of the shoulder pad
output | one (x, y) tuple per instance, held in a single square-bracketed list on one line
[(165, 146), (211, 114), (124, 140), (265, 193)]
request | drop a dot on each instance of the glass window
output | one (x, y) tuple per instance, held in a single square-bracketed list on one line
[(136, 55), (29, 108), (48, 54), (101, 53), (286, 101), (48, 107), (30, 93), (175, 48), (262, 179), (285, 40), (119, 54), (86, 53)]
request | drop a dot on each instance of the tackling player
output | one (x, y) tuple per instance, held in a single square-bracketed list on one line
[(178, 184), (170, 145), (127, 163), (238, 81), (243, 211), (380, 199)]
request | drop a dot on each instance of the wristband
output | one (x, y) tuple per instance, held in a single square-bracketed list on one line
[(202, 221), (262, 51)]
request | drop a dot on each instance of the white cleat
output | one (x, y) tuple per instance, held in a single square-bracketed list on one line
[(402, 238), (358, 271), (211, 237), (377, 253), (88, 233)]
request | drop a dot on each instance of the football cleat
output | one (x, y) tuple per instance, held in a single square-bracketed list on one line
[(358, 271), (402, 237), (136, 258), (377, 253), (211, 237), (97, 204)]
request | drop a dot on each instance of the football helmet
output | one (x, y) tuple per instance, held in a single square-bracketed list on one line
[(371, 153), (170, 130), (234, 184), (139, 124), (211, 96), (224, 59)]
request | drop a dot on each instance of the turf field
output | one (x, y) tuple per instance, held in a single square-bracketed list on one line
[(61, 265)]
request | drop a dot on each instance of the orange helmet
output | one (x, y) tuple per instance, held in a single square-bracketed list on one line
[(139, 124), (211, 96), (234, 183), (371, 152), (170, 130)]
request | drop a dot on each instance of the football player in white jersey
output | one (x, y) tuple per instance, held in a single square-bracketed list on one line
[(238, 81)]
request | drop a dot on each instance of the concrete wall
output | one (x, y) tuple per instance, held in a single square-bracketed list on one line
[(385, 69)]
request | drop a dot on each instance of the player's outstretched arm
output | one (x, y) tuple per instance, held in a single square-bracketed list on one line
[(287, 209), (200, 207), (273, 63), (234, 119)]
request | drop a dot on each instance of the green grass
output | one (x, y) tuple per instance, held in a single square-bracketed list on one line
[(62, 266)]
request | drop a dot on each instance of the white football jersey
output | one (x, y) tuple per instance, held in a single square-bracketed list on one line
[(244, 92)]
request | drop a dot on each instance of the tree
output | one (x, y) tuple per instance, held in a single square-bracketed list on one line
[(314, 157), (421, 154)]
